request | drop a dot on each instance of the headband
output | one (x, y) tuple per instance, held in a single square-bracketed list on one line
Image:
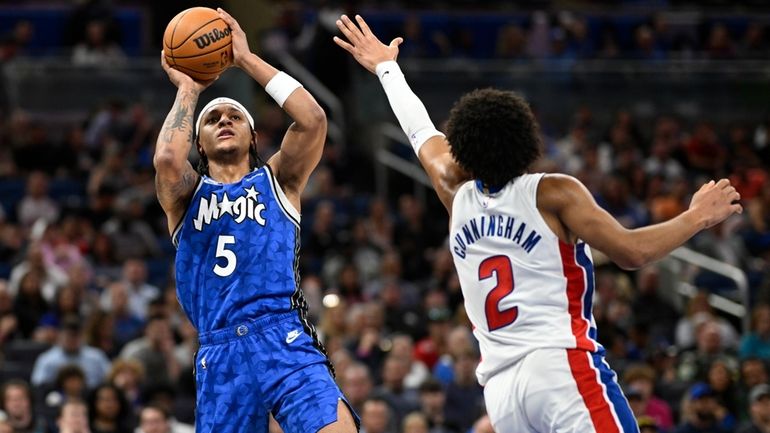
[(218, 101)]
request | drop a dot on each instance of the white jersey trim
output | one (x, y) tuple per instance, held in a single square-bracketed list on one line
[(288, 209), (180, 224)]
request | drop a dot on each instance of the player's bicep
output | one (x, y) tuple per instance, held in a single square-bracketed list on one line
[(175, 189), (444, 172), (300, 152), (577, 210)]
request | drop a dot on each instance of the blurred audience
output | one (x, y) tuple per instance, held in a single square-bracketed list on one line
[(87, 297)]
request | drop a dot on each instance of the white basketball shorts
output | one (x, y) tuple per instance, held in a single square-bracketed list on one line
[(558, 391)]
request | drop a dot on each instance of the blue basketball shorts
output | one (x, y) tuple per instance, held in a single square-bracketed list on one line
[(269, 365)]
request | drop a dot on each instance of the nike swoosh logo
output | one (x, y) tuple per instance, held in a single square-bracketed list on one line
[(292, 336)]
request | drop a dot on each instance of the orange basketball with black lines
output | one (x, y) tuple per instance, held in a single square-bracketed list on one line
[(198, 42)]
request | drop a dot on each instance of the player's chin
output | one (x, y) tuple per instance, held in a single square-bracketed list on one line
[(230, 143), (229, 146)]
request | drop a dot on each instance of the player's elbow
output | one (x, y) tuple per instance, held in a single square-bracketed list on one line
[(631, 259), (316, 117), (164, 160)]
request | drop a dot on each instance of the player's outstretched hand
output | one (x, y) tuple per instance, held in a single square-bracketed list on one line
[(240, 44), (180, 79), (363, 45), (715, 202)]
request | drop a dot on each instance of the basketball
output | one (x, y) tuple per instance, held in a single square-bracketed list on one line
[(198, 42)]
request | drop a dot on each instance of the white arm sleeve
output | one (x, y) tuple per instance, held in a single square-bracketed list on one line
[(409, 110)]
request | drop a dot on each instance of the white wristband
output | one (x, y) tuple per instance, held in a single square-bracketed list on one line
[(409, 110), (281, 86)]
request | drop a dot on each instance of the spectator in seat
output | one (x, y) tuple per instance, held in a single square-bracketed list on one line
[(759, 399), (70, 350), (16, 402), (73, 417), (757, 342)]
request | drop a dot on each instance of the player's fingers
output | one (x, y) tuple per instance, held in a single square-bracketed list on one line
[(723, 183), (346, 31), (733, 196), (163, 61), (706, 185), (224, 15), (227, 18), (736, 208), (396, 42), (352, 28), (364, 27), (346, 46)]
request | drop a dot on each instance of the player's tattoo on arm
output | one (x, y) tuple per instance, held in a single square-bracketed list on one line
[(179, 118), (177, 192)]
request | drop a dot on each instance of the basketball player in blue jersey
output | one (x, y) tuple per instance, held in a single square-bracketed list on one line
[(519, 243), (235, 224)]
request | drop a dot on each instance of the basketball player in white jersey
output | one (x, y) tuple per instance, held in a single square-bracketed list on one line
[(520, 246)]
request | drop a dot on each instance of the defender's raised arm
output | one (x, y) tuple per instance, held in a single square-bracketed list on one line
[(429, 144)]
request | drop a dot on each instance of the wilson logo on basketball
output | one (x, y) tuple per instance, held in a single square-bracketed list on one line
[(207, 39)]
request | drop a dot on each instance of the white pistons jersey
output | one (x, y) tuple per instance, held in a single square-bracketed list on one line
[(524, 289)]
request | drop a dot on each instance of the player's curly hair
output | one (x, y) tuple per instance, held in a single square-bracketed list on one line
[(493, 135), (255, 161)]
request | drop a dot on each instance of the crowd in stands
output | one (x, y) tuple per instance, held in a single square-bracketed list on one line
[(557, 36), (93, 339), (88, 307)]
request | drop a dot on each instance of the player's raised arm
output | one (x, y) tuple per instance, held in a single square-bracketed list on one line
[(573, 205), (429, 144), (175, 178), (302, 145)]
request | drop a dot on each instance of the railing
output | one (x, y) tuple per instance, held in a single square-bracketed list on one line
[(387, 159), (684, 287), (695, 90), (336, 118), (57, 89)]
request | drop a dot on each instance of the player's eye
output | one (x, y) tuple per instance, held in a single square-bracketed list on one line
[(211, 120), (236, 117)]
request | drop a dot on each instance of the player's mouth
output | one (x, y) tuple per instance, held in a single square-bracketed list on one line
[(226, 133)]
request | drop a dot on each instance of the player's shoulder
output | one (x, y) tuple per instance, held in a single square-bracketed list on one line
[(556, 189), (560, 181)]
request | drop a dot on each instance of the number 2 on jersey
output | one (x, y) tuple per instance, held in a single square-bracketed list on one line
[(499, 266), (222, 242)]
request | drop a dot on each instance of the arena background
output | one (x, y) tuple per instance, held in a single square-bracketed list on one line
[(641, 100)]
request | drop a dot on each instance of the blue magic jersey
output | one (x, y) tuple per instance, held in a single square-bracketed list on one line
[(237, 252)]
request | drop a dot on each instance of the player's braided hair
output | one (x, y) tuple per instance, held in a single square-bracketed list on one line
[(254, 159)]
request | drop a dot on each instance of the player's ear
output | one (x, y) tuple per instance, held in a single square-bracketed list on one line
[(199, 147)]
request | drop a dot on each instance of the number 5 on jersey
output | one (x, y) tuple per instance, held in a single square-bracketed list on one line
[(499, 266), (222, 242)]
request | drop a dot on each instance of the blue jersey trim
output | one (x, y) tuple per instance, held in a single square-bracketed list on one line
[(616, 398)]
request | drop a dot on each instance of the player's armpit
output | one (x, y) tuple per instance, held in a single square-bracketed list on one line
[(175, 192), (302, 146), (444, 172)]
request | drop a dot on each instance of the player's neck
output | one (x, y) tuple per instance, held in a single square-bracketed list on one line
[(228, 173)]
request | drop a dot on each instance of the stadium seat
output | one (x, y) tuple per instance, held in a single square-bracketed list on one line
[(24, 352), (15, 370)]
